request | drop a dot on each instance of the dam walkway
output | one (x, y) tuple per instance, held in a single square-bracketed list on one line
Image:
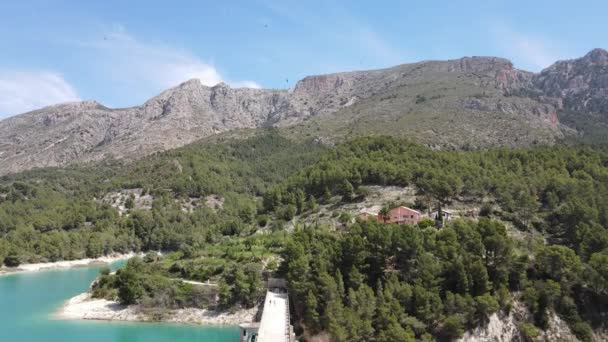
[(275, 324)]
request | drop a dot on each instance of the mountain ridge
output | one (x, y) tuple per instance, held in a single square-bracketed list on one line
[(462, 92)]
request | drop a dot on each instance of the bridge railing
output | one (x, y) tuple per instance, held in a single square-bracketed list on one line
[(287, 319)]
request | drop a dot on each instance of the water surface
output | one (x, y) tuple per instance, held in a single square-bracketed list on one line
[(27, 300)]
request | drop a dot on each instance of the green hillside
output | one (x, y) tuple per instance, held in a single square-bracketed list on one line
[(55, 214), (219, 210), (438, 109), (420, 280)]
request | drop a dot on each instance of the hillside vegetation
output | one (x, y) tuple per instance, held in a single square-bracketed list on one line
[(440, 108), (429, 276), (362, 281), (55, 214)]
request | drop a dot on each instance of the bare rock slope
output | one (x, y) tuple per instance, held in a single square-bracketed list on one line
[(88, 131), (478, 101)]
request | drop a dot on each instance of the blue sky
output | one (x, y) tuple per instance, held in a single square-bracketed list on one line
[(124, 52)]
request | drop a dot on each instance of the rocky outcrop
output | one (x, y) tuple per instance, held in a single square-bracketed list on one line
[(502, 327), (482, 97), (581, 83), (85, 307), (87, 131)]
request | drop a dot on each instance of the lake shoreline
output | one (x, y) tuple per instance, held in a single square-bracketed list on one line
[(84, 307), (57, 265)]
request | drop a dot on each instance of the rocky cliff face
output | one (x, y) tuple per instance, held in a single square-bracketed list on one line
[(507, 327), (87, 131), (484, 99), (472, 102), (581, 83)]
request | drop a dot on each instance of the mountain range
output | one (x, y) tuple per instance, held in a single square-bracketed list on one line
[(472, 102)]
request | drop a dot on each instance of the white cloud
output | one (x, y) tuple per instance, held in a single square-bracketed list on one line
[(136, 69), (531, 50), (246, 84), (171, 74), (132, 61), (22, 91)]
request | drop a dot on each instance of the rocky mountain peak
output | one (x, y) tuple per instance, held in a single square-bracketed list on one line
[(582, 83), (76, 105), (596, 56), (89, 103), (500, 70), (193, 82), (221, 85), (470, 94), (191, 85), (322, 83), (479, 64), (57, 114)]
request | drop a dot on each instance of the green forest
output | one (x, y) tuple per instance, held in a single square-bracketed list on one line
[(56, 214), (364, 281)]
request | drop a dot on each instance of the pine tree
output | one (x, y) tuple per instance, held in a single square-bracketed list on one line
[(300, 199), (348, 191), (326, 195), (340, 284), (311, 315)]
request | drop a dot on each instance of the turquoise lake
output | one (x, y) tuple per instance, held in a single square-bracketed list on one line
[(27, 300)]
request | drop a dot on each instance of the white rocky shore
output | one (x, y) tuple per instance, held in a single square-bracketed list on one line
[(87, 308), (45, 266), (503, 327)]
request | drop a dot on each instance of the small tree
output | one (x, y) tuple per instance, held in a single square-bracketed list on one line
[(300, 199), (130, 202), (262, 220), (12, 260), (485, 305), (151, 256), (425, 223), (441, 186), (597, 272), (311, 204), (526, 205), (104, 271), (486, 210), (385, 212), (345, 218), (529, 331), (287, 212), (130, 289), (452, 327), (348, 191), (326, 195)]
